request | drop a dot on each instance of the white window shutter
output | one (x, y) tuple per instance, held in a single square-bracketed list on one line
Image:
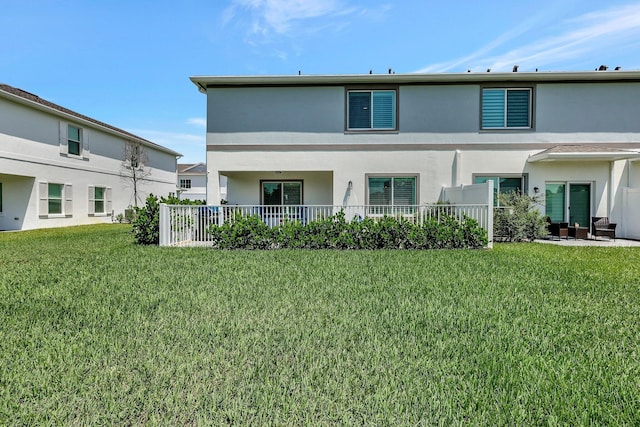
[(92, 200), (85, 143), (63, 138), (43, 198), (68, 200), (108, 204)]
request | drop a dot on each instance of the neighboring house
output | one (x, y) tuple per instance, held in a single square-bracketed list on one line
[(60, 168), (570, 138), (192, 181)]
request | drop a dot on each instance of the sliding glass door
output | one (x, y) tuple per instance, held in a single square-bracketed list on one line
[(579, 204), (572, 206)]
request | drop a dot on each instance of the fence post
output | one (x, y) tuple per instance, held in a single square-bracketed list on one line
[(164, 225), (490, 214)]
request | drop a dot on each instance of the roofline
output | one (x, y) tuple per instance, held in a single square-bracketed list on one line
[(90, 123), (604, 155), (202, 82)]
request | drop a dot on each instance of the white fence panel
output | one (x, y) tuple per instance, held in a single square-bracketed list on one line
[(630, 213), (189, 225)]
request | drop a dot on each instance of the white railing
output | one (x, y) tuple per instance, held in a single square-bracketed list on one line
[(189, 225)]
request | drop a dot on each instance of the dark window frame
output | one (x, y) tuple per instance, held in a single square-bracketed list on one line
[(532, 102), (371, 89), (282, 181)]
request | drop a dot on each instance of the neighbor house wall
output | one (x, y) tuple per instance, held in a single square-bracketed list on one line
[(30, 153)]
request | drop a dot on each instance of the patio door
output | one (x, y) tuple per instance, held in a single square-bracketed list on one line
[(568, 202), (579, 204)]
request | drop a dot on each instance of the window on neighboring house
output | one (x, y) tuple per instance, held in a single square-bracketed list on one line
[(185, 183), (99, 200), (502, 185), (391, 191), (134, 156), (281, 192), (55, 199), (506, 108), (74, 141), (371, 110)]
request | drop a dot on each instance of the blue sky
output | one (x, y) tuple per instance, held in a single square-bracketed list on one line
[(128, 63)]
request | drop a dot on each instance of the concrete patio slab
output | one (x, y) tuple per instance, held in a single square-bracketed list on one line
[(603, 242)]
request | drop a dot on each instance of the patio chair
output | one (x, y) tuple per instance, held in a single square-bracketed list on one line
[(600, 226), (559, 229)]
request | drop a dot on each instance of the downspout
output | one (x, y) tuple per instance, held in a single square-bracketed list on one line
[(611, 193), (456, 169)]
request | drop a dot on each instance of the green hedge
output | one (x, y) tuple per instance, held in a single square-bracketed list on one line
[(250, 232)]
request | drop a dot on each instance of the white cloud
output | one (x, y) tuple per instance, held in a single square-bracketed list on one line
[(272, 18), (197, 121), (585, 36), (279, 16)]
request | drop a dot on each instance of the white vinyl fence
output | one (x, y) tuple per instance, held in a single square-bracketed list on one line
[(630, 218), (189, 225)]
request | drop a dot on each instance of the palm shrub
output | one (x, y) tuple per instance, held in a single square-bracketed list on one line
[(519, 220)]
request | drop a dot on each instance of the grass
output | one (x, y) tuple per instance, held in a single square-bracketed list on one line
[(97, 330)]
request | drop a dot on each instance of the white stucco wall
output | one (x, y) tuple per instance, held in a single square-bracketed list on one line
[(30, 153)]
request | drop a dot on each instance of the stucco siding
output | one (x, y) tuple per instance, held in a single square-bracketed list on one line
[(30, 154), (288, 109), (588, 107), (439, 109)]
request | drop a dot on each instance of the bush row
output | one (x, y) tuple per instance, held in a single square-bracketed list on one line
[(250, 232)]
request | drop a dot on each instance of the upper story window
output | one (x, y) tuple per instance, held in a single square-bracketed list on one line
[(74, 141), (371, 110), (185, 183), (506, 108)]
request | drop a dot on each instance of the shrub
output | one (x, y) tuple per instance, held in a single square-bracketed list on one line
[(520, 221), (387, 232), (146, 220), (146, 223)]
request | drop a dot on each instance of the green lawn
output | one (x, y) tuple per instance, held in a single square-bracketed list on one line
[(96, 330)]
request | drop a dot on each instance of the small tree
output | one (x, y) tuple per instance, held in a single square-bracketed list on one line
[(519, 220), (133, 169)]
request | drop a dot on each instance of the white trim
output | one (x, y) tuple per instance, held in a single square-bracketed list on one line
[(583, 156)]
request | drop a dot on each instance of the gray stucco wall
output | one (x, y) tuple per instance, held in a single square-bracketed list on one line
[(588, 107), (436, 109), (442, 109), (279, 109)]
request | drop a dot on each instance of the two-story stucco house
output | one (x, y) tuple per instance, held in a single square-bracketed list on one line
[(60, 168), (571, 138), (192, 181)]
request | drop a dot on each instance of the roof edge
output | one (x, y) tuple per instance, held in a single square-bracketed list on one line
[(202, 82), (77, 117)]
